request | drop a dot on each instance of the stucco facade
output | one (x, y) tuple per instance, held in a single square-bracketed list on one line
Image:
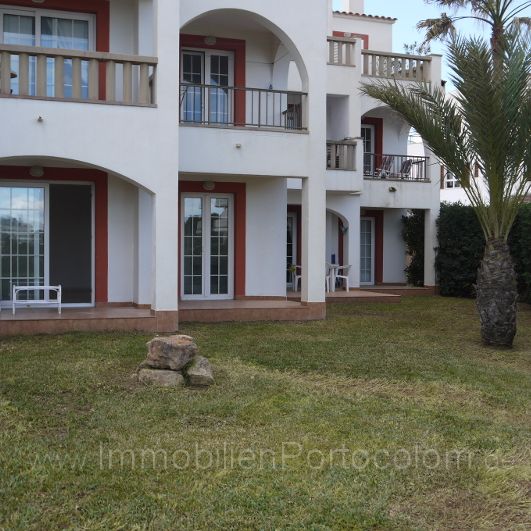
[(213, 125)]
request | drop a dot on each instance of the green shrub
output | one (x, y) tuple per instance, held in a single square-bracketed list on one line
[(520, 243), (413, 234), (461, 246)]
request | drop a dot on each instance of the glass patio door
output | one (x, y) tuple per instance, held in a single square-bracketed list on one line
[(367, 251), (206, 81), (291, 252), (23, 240), (367, 135), (207, 259)]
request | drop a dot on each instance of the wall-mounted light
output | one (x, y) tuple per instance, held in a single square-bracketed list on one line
[(210, 41), (40, 119), (36, 171), (238, 146), (209, 186), (392, 189)]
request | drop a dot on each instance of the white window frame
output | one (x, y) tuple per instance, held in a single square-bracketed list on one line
[(373, 253), (39, 13), (206, 212), (46, 187), (372, 129), (206, 55), (450, 181), (293, 216)]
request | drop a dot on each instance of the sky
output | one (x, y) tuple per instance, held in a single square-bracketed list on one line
[(408, 13)]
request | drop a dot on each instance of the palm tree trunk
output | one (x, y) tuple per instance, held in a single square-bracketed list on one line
[(497, 295)]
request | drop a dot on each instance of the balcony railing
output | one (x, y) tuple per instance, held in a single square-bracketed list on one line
[(70, 75), (402, 167), (396, 66), (341, 155), (213, 105), (341, 51)]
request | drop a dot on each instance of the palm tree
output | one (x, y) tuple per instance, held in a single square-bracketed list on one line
[(488, 124)]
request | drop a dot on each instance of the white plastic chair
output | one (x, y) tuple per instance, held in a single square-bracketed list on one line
[(344, 277), (298, 278)]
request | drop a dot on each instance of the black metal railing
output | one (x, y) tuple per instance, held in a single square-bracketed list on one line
[(408, 168), (241, 107)]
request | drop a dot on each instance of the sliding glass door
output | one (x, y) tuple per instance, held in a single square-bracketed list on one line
[(23, 249), (46, 239), (207, 257)]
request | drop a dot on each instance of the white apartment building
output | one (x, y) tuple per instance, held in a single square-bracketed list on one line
[(160, 158)]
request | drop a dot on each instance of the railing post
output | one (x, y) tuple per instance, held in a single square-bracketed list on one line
[(110, 81), (23, 74), (143, 93), (59, 78), (93, 91), (41, 75), (76, 78), (5, 73), (128, 83)]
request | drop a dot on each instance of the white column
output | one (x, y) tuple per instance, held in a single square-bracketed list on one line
[(144, 256), (166, 249), (313, 239), (354, 241), (165, 171)]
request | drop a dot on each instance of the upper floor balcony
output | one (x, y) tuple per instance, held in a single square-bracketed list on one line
[(94, 51), (58, 74), (347, 52), (242, 95)]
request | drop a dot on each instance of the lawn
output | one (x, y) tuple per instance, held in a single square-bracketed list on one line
[(381, 417)]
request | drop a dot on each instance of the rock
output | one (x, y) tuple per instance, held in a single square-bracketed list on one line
[(171, 353), (199, 372), (161, 378)]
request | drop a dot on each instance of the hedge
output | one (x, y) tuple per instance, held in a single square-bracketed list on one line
[(461, 246), (413, 234)]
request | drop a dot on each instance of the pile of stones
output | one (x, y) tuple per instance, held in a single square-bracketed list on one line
[(174, 361)]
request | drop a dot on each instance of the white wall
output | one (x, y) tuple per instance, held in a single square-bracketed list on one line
[(123, 37), (332, 239), (266, 237), (394, 253), (122, 213)]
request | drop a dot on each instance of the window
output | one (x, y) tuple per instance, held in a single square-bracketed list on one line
[(48, 29), (450, 180)]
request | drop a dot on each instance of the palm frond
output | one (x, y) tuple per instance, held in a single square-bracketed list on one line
[(488, 124)]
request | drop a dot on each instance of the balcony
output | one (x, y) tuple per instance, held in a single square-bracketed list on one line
[(220, 106), (395, 167), (341, 155), (396, 66), (341, 51), (76, 76)]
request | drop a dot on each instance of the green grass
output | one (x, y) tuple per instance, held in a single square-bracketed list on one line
[(373, 381)]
